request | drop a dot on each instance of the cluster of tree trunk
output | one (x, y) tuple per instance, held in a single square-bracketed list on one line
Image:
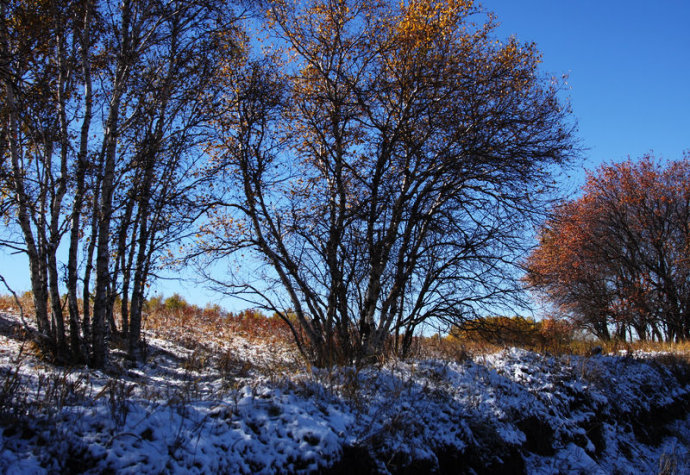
[(103, 116)]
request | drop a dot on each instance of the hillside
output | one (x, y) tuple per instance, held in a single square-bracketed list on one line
[(226, 401)]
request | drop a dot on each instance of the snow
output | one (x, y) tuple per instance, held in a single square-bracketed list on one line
[(235, 405)]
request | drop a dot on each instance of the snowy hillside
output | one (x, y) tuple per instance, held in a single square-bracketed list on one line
[(236, 405)]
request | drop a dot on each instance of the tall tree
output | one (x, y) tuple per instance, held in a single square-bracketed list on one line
[(384, 164), (102, 130), (618, 256), (38, 83)]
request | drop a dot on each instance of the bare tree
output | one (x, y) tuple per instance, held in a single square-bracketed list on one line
[(172, 98), (381, 168), (38, 84)]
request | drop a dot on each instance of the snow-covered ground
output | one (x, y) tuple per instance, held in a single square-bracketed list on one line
[(239, 406)]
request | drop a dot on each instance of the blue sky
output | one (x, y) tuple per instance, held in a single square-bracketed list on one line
[(628, 64)]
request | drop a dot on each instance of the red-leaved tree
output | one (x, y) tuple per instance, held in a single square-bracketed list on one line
[(616, 259)]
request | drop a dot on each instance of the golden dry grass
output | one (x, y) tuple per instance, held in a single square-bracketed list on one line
[(9, 304), (174, 317), (452, 347), (212, 322)]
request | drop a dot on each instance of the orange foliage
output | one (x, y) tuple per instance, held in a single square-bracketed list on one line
[(618, 256)]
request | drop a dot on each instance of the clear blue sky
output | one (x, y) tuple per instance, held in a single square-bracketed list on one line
[(629, 72), (628, 64)]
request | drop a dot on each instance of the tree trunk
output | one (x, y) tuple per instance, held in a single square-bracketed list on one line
[(38, 281), (105, 209), (83, 37)]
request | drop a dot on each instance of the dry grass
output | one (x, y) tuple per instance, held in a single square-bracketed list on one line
[(51, 392), (9, 304), (194, 324), (451, 349), (455, 348), (616, 347), (195, 327), (550, 336)]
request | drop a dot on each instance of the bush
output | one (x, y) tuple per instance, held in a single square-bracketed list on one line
[(550, 334)]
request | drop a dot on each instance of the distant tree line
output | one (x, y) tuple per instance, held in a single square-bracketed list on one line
[(523, 332), (374, 166)]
